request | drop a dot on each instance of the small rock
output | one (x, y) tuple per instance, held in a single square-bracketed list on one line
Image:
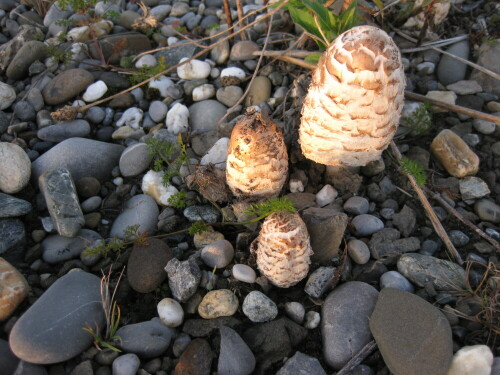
[(170, 312), (448, 97), (465, 87), (205, 238), (152, 185), (180, 344), (12, 239), (260, 91), (218, 254), (366, 225), (451, 70), (146, 339), (319, 282), (326, 195), (203, 92), (157, 110), (139, 210), (403, 324), (312, 320), (421, 269), (217, 155), (405, 220), (345, 319), (487, 210), (177, 119), (229, 95), (244, 273), (197, 358), (194, 69), (162, 84), (134, 160), (58, 249), (66, 86), (14, 289), (218, 303), (146, 61), (183, 278), (95, 91), (458, 238), (295, 311), (394, 248), (208, 214), (7, 96), (259, 308), (483, 126), (244, 50), (301, 364), (13, 207), (357, 205), (68, 129), (235, 356), (394, 279), (9, 360), (126, 364), (179, 9), (131, 117), (15, 168), (487, 57), (358, 251), (30, 52), (472, 360), (454, 154)]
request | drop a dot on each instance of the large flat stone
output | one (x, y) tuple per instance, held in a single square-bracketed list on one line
[(117, 45)]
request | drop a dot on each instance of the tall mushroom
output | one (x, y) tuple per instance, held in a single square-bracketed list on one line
[(352, 108)]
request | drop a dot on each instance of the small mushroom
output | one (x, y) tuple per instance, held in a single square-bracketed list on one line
[(283, 249), (353, 105), (257, 160)]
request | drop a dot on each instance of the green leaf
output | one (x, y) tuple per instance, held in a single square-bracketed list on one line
[(314, 58), (326, 18), (349, 18), (379, 4), (303, 17), (415, 169)]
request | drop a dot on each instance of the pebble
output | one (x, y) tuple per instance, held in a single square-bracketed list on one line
[(162, 84), (229, 95), (148, 339), (183, 278), (243, 50), (218, 254), (465, 87), (180, 344), (15, 168), (426, 67), (312, 320), (131, 117), (194, 69), (157, 110), (208, 214), (233, 72), (179, 9), (82, 157), (203, 92), (39, 335), (366, 225), (235, 356), (458, 238), (244, 273), (197, 358), (58, 249), (301, 364), (403, 324), (152, 185), (12, 239), (7, 96), (472, 360), (487, 57), (95, 91), (448, 97), (66, 85), (170, 312), (218, 303), (394, 279), (454, 154), (487, 210), (344, 324), (145, 268), (259, 91), (450, 70), (177, 120), (13, 207), (24, 111), (139, 210), (357, 205), (421, 269), (217, 155), (14, 289), (68, 129), (88, 187), (358, 251), (259, 308), (146, 60), (319, 282), (30, 52), (8, 359), (326, 195), (295, 311), (126, 364), (134, 160), (484, 126)]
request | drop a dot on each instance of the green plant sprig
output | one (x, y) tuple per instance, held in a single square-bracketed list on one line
[(420, 120), (264, 209), (141, 74), (415, 169), (167, 157)]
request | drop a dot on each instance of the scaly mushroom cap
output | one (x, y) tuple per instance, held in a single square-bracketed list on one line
[(352, 108), (283, 249), (257, 160)]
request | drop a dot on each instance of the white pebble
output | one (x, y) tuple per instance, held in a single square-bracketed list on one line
[(214, 73), (194, 69), (170, 312), (312, 320), (217, 155), (295, 186), (131, 117), (177, 119), (426, 67), (295, 311), (118, 181), (152, 185), (162, 83), (95, 91), (233, 72), (203, 92), (472, 360), (326, 195), (244, 273), (172, 40), (7, 95), (146, 60)]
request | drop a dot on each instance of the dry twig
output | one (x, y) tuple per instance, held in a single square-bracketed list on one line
[(358, 358), (239, 8)]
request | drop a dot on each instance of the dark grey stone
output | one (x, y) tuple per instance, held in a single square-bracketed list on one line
[(450, 70), (8, 360), (365, 225), (12, 239), (394, 279), (319, 282), (139, 210), (208, 214), (131, 43), (146, 339), (59, 249), (24, 111), (82, 157), (413, 336), (95, 114), (66, 86), (174, 55), (12, 207), (183, 278), (301, 364), (394, 248), (405, 221), (50, 331), (64, 130), (344, 321), (205, 328), (205, 114), (26, 368), (357, 205), (458, 238), (259, 308), (326, 228), (235, 356), (135, 159), (27, 54), (83, 368), (126, 364), (60, 195)]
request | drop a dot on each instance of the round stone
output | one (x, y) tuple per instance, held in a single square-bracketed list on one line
[(135, 159), (366, 225), (357, 205), (394, 279), (88, 187), (295, 311), (487, 210), (358, 251), (15, 168), (259, 308), (244, 273), (157, 110), (170, 312), (218, 254), (312, 320), (217, 303)]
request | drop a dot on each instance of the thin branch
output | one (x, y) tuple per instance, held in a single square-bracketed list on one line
[(291, 53), (239, 8), (227, 11), (438, 227), (358, 358), (435, 43)]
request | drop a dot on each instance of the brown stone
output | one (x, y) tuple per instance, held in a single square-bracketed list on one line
[(66, 86), (196, 359), (454, 154), (125, 100), (13, 289), (117, 45)]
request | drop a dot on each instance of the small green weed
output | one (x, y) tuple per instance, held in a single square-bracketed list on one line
[(415, 169), (167, 157), (115, 244), (58, 54), (264, 209), (179, 200), (198, 228), (142, 74), (420, 121)]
